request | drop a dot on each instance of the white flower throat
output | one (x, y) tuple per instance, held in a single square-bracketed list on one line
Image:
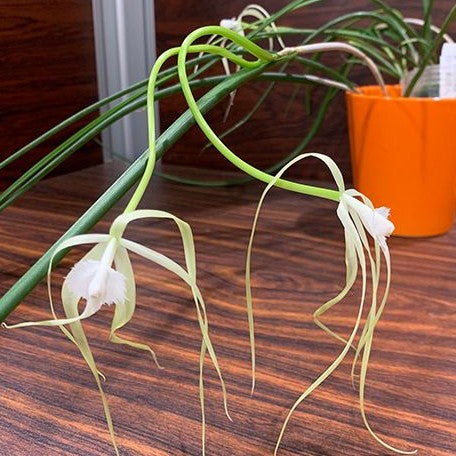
[(97, 282)]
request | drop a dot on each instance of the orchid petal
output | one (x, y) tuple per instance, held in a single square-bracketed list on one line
[(363, 374), (188, 276), (95, 253), (80, 239), (186, 233), (351, 264), (124, 313), (190, 280), (353, 238), (376, 222), (158, 258), (70, 305), (80, 276), (337, 175), (356, 217), (71, 242), (201, 395)]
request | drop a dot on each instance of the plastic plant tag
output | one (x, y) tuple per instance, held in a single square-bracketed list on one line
[(447, 87), (428, 84)]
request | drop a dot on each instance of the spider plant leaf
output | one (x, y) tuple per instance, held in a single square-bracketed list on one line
[(434, 44), (427, 16)]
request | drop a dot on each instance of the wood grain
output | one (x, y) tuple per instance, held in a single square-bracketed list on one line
[(49, 404), (278, 126), (47, 73)]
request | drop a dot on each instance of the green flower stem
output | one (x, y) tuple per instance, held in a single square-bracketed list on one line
[(319, 117), (139, 192), (307, 62), (219, 145), (77, 140), (38, 271)]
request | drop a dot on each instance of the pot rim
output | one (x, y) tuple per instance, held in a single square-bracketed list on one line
[(393, 89)]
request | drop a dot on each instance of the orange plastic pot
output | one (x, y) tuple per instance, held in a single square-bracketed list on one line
[(403, 154)]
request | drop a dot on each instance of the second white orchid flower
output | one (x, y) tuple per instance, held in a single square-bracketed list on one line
[(357, 216)]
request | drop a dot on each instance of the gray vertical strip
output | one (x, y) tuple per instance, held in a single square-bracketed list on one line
[(125, 50)]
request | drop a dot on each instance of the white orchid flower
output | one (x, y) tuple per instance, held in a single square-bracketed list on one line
[(95, 280), (374, 220), (356, 217), (232, 24)]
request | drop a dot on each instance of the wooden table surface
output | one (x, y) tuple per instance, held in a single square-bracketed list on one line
[(49, 404)]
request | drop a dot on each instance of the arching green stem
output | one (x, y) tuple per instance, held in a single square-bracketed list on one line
[(139, 192), (264, 58)]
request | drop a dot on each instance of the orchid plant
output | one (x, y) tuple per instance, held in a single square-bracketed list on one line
[(389, 45)]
